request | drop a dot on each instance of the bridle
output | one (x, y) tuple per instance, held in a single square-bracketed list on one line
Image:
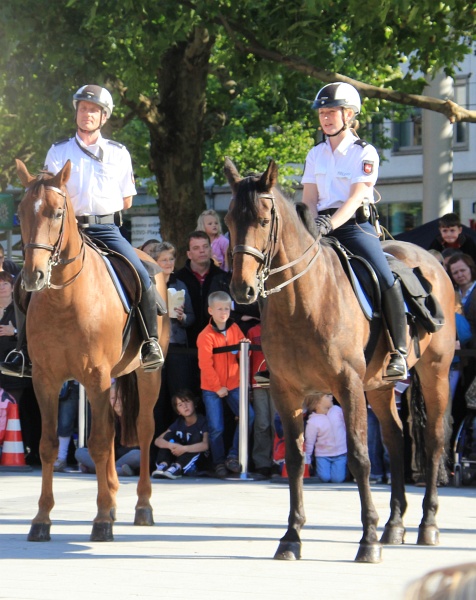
[(266, 256), (55, 250)]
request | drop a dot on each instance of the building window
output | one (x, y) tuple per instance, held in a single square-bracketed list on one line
[(461, 97), (407, 134), (400, 216)]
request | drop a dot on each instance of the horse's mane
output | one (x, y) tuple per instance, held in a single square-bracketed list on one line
[(40, 180), (305, 215), (245, 207)]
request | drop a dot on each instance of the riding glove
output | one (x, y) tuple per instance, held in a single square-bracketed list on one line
[(324, 224)]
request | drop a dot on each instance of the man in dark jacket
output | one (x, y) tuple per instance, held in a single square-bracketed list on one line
[(202, 277)]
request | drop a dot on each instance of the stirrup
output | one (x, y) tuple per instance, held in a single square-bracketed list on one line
[(151, 346), (397, 367), (17, 366)]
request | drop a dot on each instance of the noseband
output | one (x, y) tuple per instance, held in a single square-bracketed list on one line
[(55, 250), (266, 256)]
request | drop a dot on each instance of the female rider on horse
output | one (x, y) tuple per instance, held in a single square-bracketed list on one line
[(100, 186), (338, 180)]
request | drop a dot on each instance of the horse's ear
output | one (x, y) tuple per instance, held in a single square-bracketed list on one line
[(231, 173), (23, 174), (269, 177), (65, 172)]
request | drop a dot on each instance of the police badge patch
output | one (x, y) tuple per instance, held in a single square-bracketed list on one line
[(368, 167)]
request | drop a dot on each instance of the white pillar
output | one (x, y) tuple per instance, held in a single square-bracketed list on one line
[(437, 153)]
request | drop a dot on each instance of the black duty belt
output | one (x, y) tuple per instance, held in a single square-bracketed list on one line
[(358, 217), (328, 212), (111, 219)]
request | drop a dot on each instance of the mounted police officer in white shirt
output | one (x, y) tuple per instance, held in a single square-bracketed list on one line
[(339, 177), (101, 185)]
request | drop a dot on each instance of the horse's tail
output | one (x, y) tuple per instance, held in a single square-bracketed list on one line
[(128, 393), (418, 426), (418, 423)]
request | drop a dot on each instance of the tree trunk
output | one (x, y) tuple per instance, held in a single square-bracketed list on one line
[(177, 137)]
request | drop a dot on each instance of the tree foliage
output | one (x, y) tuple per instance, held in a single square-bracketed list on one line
[(196, 80)]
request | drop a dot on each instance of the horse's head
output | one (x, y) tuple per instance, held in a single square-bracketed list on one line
[(42, 214), (253, 224)]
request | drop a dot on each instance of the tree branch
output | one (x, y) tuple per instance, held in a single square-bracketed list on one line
[(452, 111)]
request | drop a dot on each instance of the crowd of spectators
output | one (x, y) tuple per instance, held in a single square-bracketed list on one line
[(201, 387)]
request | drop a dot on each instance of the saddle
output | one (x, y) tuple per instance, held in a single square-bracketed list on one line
[(125, 277), (421, 305)]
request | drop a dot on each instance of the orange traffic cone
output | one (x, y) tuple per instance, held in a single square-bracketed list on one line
[(13, 452), (307, 474)]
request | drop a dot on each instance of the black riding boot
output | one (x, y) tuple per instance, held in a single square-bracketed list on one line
[(17, 362), (394, 311), (151, 352)]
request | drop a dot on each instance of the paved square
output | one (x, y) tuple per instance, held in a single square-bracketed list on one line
[(215, 540)]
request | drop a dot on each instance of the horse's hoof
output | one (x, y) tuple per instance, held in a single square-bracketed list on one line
[(428, 536), (112, 513), (288, 551), (144, 517), (102, 532), (393, 535), (39, 532), (369, 553)]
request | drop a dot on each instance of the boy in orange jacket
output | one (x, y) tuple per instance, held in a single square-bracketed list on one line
[(220, 379)]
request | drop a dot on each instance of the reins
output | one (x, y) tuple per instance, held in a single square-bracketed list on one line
[(266, 256), (55, 258)]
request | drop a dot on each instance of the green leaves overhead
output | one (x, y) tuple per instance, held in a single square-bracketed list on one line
[(265, 62)]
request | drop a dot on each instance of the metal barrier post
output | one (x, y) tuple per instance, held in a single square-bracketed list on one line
[(82, 425), (243, 420)]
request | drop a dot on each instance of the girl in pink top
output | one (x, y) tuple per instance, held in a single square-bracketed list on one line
[(325, 439), (209, 222)]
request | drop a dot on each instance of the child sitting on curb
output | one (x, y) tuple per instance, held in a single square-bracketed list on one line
[(183, 442), (127, 458)]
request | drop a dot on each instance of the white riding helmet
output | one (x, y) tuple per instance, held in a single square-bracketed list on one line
[(338, 94), (95, 94)]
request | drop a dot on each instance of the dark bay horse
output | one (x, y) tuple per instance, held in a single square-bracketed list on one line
[(75, 321), (314, 335)]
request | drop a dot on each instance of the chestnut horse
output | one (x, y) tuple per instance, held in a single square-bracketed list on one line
[(75, 323), (314, 336)]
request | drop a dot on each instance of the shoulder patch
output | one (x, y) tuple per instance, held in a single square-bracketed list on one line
[(368, 167), (119, 145), (362, 143), (59, 142)]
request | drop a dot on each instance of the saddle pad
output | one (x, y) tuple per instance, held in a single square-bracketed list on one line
[(362, 295), (362, 277), (126, 303)]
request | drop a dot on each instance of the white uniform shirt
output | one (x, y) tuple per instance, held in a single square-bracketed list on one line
[(95, 188), (335, 172)]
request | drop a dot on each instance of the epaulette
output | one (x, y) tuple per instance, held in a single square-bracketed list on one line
[(59, 142), (362, 143), (114, 143)]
